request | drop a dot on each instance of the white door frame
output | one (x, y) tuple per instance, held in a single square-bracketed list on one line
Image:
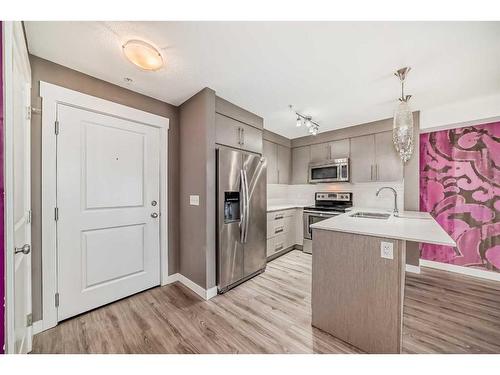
[(52, 96), (13, 40)]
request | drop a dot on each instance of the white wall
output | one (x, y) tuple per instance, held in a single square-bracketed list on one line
[(363, 193), (468, 112)]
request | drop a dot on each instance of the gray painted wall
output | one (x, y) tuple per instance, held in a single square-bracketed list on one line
[(43, 70), (197, 163)]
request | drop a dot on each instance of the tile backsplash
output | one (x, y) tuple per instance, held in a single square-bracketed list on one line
[(363, 193)]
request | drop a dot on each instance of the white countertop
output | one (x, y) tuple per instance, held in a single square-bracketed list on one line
[(283, 206), (411, 226)]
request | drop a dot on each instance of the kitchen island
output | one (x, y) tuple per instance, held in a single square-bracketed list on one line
[(358, 274)]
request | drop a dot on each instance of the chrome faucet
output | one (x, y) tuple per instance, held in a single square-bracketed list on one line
[(395, 211)]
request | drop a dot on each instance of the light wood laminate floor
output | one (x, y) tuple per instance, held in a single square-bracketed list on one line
[(443, 313)]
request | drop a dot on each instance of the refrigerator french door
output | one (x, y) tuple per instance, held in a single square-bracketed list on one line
[(241, 217)]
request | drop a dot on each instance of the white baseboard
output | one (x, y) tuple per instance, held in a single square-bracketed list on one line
[(37, 327), (203, 293), (489, 275), (212, 292), (412, 269)]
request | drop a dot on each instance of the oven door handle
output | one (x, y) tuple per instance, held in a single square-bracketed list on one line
[(322, 214)]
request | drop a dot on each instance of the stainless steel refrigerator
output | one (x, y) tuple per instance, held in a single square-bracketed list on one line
[(241, 217)]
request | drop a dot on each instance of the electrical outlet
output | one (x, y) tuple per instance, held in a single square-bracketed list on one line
[(386, 250), (194, 200)]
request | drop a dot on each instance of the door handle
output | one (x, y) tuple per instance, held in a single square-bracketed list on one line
[(154, 203), (154, 215), (25, 249), (243, 207), (247, 204)]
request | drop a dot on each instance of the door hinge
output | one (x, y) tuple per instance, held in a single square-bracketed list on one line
[(57, 299), (29, 320), (56, 127), (56, 213), (28, 112), (30, 215)]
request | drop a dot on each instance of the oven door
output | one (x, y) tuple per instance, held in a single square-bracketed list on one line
[(311, 217), (324, 173)]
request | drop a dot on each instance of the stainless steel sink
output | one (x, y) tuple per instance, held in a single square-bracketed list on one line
[(371, 215)]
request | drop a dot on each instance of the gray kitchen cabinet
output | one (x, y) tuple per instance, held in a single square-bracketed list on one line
[(362, 158), (227, 131), (388, 164), (236, 134), (270, 152), (340, 149), (373, 158), (320, 152), (251, 139), (284, 164), (300, 164)]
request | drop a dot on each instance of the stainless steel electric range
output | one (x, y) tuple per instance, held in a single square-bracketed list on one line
[(326, 205)]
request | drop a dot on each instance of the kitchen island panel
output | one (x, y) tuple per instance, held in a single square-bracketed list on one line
[(357, 295)]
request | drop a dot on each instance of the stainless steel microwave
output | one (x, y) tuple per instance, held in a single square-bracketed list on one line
[(335, 170)]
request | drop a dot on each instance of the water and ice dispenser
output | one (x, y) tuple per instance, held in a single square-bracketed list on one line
[(231, 206)]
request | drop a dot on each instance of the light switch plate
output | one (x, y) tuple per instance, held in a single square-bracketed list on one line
[(386, 250), (194, 200)]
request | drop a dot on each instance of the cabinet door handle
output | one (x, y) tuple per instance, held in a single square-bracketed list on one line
[(371, 172), (279, 247), (278, 230), (278, 217), (242, 136), (376, 172), (239, 136)]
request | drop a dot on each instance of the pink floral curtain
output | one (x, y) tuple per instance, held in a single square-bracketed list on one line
[(459, 186)]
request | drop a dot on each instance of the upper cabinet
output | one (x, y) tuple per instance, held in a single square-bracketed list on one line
[(300, 164), (237, 127), (389, 166), (236, 134), (340, 149), (320, 152), (270, 152), (373, 158), (278, 159), (284, 164), (330, 150), (362, 158)]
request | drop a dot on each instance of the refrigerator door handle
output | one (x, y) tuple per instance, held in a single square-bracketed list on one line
[(247, 206), (243, 206)]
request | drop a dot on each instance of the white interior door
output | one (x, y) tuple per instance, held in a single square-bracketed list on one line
[(108, 190), (18, 194)]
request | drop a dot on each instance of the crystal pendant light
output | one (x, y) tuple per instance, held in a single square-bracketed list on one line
[(402, 130)]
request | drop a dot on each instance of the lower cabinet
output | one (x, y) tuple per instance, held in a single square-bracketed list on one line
[(281, 230)]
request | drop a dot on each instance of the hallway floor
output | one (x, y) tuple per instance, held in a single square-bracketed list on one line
[(443, 313)]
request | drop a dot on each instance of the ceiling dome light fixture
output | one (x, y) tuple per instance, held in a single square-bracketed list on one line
[(402, 129), (312, 126), (143, 55)]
